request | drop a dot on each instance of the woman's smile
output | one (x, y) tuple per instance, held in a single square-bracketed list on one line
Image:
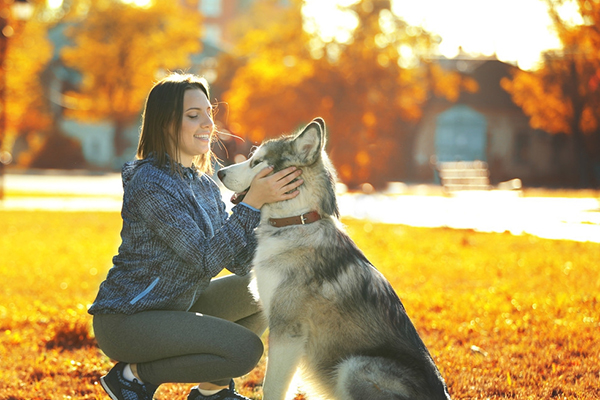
[(196, 126)]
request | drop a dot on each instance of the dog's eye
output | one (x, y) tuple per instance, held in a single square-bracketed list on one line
[(254, 163)]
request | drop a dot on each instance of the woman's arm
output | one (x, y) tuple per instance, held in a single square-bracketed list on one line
[(195, 242)]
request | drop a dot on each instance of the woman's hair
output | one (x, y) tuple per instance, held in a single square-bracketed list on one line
[(161, 120)]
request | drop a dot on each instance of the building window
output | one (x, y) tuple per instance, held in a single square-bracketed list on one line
[(210, 8)]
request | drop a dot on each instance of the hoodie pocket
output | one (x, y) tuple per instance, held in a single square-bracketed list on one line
[(145, 292)]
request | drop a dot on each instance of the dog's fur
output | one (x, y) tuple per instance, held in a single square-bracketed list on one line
[(329, 310)]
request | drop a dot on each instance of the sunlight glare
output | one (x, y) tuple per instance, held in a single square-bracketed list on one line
[(569, 12), (139, 3), (329, 20), (54, 3), (516, 31)]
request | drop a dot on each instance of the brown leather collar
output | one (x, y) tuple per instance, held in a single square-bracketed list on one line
[(306, 218)]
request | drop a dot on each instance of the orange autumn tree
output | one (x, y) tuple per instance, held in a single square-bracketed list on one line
[(369, 83), (27, 54), (120, 50), (563, 95)]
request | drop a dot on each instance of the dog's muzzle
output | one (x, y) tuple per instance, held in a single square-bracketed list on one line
[(237, 197)]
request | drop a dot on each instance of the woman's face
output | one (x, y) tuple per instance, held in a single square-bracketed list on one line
[(196, 126)]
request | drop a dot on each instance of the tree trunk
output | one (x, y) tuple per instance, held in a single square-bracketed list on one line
[(407, 152), (584, 165)]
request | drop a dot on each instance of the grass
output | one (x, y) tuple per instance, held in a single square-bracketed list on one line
[(504, 316)]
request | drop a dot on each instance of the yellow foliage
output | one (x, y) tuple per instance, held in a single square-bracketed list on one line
[(562, 95), (368, 89), (369, 119), (362, 159), (121, 49), (544, 104), (588, 123), (28, 53)]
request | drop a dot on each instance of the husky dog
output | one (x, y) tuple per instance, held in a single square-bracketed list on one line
[(330, 311)]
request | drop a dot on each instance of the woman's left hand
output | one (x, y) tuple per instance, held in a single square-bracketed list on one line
[(279, 186)]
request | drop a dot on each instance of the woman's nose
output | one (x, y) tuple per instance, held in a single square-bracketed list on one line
[(208, 123)]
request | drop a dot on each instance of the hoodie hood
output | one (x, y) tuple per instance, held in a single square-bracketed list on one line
[(130, 168)]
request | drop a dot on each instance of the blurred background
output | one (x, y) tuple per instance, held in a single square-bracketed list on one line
[(462, 94)]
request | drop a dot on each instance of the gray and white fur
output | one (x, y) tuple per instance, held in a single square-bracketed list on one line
[(330, 311)]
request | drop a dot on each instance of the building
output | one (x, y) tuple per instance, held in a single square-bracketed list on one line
[(487, 126)]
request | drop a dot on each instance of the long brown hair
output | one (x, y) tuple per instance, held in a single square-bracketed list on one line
[(162, 116)]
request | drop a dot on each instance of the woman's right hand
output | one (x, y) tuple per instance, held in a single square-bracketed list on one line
[(267, 188)]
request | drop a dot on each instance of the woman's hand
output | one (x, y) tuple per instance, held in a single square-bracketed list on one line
[(267, 188)]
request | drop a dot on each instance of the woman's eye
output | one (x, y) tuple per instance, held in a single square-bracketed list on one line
[(193, 116)]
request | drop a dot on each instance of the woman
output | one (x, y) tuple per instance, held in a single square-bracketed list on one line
[(159, 312)]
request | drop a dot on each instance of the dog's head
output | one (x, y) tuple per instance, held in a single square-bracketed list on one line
[(304, 150), (298, 150)]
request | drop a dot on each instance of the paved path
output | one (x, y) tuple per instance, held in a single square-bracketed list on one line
[(491, 211), (60, 191)]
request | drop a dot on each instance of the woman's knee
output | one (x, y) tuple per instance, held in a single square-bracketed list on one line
[(249, 354)]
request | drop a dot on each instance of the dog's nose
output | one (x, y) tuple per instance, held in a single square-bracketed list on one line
[(221, 174)]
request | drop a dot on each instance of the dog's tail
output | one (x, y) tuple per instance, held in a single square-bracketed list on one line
[(379, 378)]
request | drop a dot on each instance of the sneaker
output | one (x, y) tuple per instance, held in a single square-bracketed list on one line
[(119, 388), (225, 394)]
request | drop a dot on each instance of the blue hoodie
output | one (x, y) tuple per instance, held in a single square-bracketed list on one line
[(176, 236)]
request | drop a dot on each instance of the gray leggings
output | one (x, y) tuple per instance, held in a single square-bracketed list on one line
[(218, 339)]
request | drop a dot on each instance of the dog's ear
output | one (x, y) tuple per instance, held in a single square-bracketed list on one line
[(321, 122), (311, 141)]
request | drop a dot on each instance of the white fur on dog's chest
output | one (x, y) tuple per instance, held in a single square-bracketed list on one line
[(269, 270), (266, 282), (276, 259)]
